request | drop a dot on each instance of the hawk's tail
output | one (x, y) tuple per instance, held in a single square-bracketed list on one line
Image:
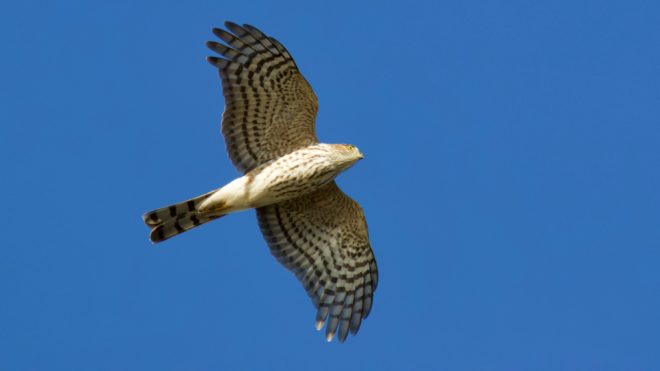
[(171, 220)]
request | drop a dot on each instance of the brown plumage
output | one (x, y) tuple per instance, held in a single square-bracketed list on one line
[(310, 225), (269, 106)]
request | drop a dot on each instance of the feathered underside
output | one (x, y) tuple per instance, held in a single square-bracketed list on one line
[(322, 238), (269, 106)]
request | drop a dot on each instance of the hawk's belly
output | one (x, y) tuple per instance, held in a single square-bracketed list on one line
[(287, 177)]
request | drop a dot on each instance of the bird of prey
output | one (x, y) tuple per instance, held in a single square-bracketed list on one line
[(311, 226)]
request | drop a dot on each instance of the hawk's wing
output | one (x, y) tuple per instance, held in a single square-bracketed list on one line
[(269, 106), (322, 237)]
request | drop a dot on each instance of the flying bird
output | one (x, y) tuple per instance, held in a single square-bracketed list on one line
[(313, 228)]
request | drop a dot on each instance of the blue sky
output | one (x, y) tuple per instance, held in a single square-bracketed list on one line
[(511, 186)]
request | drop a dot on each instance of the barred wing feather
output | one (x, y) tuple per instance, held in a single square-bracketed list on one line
[(322, 238), (269, 106)]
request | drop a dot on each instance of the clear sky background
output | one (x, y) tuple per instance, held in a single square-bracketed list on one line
[(511, 185)]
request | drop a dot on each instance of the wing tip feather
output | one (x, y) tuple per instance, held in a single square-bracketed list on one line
[(219, 63), (230, 24)]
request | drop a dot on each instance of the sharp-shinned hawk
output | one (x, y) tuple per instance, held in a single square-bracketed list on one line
[(310, 225)]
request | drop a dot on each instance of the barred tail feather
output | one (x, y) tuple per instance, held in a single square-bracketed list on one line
[(172, 220)]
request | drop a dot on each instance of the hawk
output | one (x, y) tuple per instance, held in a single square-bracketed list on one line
[(313, 228)]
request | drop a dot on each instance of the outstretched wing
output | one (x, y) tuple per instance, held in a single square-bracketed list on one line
[(269, 106), (322, 238)]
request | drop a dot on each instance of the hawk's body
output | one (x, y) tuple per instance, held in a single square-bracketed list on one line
[(311, 226), (289, 176)]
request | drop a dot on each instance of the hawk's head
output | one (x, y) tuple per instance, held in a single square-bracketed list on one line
[(350, 151), (345, 155)]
